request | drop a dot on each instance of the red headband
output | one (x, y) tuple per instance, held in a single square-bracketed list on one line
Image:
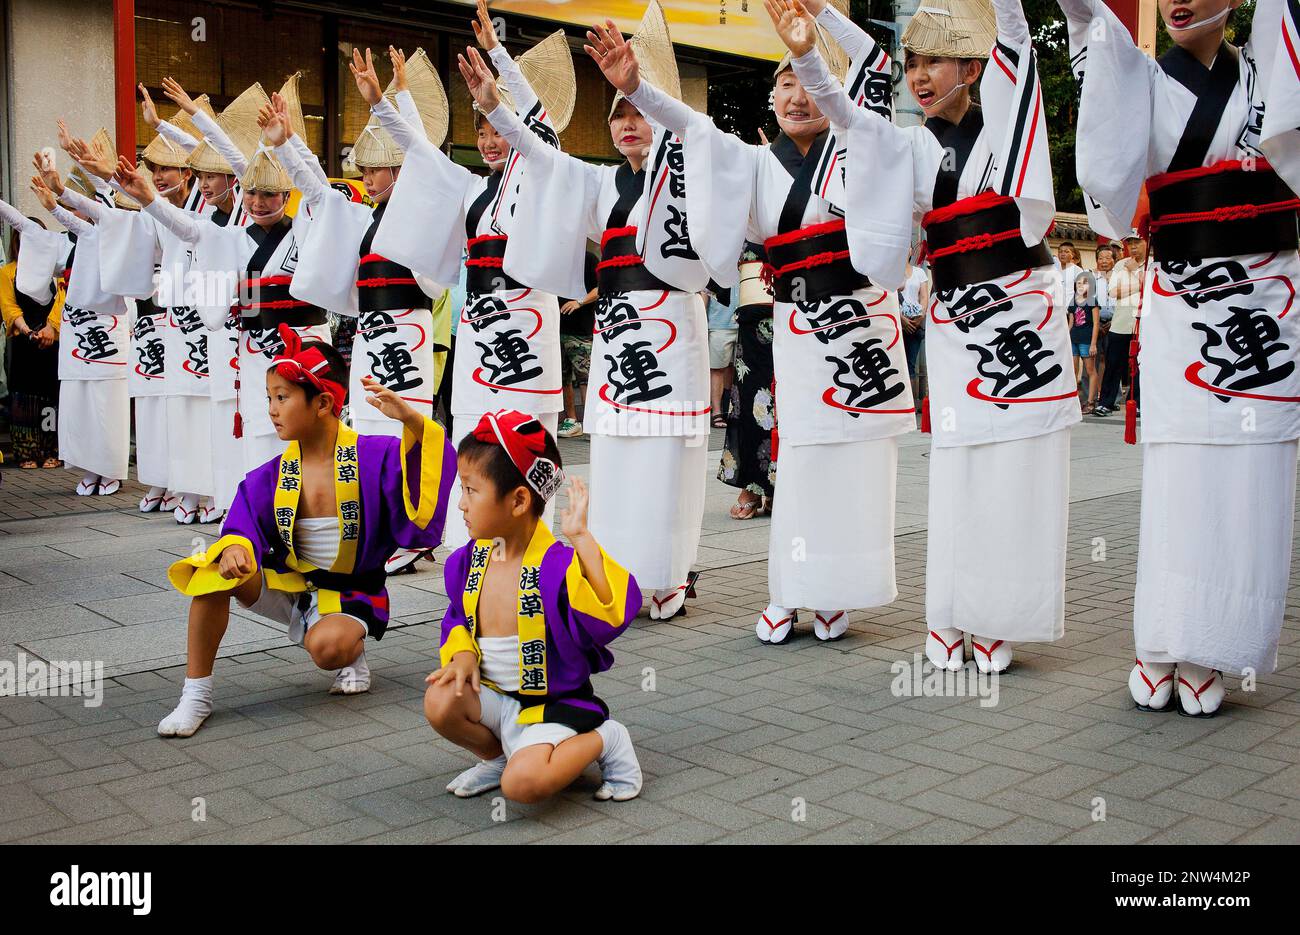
[(307, 366), (524, 441)]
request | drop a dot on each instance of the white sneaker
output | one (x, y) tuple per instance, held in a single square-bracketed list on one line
[(194, 707), (1151, 684), (775, 624), (483, 776), (353, 679), (990, 655), (1200, 690), (152, 500), (830, 625), (619, 766), (946, 648)]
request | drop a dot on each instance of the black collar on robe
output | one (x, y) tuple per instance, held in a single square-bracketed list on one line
[(267, 240), (802, 167), (1213, 87), (629, 183), (376, 216), (959, 138), (480, 204)]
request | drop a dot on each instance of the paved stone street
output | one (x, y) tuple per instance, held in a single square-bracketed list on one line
[(740, 742)]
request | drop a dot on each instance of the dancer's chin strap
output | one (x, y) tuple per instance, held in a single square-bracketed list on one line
[(524, 441), (1208, 21)]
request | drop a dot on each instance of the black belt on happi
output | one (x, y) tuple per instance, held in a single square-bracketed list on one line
[(483, 272), (978, 239), (621, 267), (383, 285), (270, 305), (367, 582), (1227, 209), (811, 264)]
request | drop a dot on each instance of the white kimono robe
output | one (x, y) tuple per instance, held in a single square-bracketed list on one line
[(395, 346), (94, 409), (841, 372), (1220, 418), (647, 404), (507, 343), (1002, 390)]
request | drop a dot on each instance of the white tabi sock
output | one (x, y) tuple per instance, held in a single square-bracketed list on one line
[(194, 708), (618, 764), (88, 484), (152, 500), (188, 509), (353, 679), (483, 776)]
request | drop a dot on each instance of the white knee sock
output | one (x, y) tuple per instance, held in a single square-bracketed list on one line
[(618, 764)]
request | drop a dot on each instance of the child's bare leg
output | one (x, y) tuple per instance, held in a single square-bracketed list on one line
[(538, 772), (335, 641), (457, 719), (209, 617)]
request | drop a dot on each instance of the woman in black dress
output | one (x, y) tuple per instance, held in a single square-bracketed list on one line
[(32, 329), (747, 454)]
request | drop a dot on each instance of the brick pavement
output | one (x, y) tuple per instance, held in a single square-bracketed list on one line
[(739, 741)]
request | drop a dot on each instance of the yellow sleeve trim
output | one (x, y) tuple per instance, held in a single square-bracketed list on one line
[(431, 468), (458, 641), (583, 598), (200, 574)]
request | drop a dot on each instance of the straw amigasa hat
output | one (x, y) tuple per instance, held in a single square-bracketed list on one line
[(653, 47), (265, 174), (548, 66), (375, 147), (239, 121), (952, 29), (837, 60), (163, 152)]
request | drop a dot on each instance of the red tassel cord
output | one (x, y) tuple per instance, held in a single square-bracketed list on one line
[(925, 415)]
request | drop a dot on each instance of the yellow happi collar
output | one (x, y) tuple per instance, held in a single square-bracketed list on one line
[(347, 500), (531, 615)]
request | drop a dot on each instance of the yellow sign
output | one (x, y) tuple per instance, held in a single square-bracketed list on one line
[(739, 27)]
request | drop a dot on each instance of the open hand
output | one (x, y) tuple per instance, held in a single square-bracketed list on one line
[(275, 126), (48, 172), (92, 159), (479, 79), (134, 182), (363, 71), (462, 670), (485, 34), (391, 405), (793, 24), (147, 109), (172, 88), (398, 58), (43, 194), (573, 520), (614, 55)]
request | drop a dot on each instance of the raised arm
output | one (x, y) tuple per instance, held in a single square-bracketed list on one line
[(69, 220), (175, 134), (663, 109), (218, 140), (1013, 29), (827, 92), (15, 218), (79, 202), (184, 224), (277, 129), (852, 38)]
